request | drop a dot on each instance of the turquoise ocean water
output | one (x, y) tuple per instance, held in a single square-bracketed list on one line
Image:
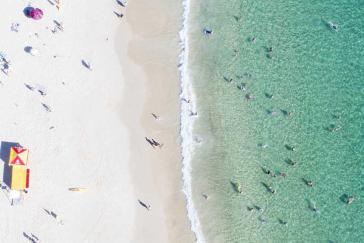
[(306, 92)]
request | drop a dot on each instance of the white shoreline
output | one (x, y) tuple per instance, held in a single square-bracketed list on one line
[(187, 124)]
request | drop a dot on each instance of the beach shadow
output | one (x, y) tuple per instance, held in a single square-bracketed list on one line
[(7, 175), (30, 238), (50, 2), (5, 150), (27, 11), (119, 15), (4, 155)]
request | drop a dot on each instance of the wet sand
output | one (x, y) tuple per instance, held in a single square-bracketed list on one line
[(148, 47)]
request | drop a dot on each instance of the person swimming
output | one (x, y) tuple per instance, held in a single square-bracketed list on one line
[(310, 183), (249, 97), (289, 147), (208, 31), (350, 200), (291, 162), (271, 190), (242, 87)]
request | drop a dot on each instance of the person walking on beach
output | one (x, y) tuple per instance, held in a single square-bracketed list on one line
[(119, 15), (155, 116), (86, 64), (145, 205)]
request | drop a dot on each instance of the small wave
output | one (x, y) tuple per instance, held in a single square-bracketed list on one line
[(188, 105)]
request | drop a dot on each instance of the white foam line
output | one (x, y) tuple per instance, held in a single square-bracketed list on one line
[(188, 104)]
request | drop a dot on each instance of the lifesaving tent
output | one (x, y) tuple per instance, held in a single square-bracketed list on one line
[(19, 178), (18, 156)]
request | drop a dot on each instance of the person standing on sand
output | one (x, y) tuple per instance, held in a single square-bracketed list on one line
[(155, 116), (145, 205)]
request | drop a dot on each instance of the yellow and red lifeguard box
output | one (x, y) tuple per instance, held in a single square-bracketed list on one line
[(18, 160)]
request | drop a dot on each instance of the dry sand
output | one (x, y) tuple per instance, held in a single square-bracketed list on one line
[(99, 121)]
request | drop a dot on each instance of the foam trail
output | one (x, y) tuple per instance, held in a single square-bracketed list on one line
[(188, 105)]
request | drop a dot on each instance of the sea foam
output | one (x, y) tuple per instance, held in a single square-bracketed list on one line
[(188, 105)]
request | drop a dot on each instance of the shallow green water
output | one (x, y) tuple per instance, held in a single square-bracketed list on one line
[(316, 74)]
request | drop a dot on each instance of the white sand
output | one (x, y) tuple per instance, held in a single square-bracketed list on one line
[(99, 119), (88, 146)]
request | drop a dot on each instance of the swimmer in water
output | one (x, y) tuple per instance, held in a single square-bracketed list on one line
[(289, 147), (350, 200)]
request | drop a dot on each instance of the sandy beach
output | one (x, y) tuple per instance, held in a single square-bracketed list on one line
[(86, 126), (152, 73)]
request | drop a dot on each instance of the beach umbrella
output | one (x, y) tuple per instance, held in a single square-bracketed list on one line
[(18, 156), (27, 11), (36, 13)]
